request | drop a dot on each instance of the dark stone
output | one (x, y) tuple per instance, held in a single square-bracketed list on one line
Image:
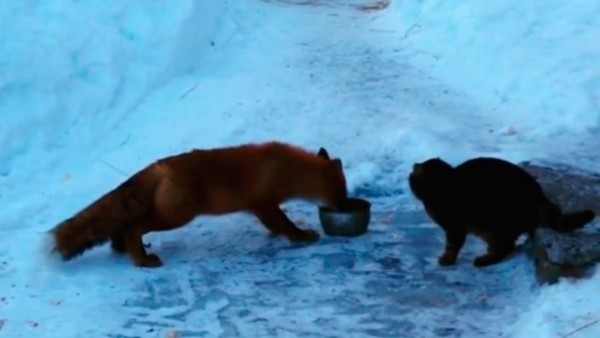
[(558, 255), (571, 188)]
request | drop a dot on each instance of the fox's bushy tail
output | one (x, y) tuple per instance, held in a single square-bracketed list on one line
[(552, 217), (124, 206)]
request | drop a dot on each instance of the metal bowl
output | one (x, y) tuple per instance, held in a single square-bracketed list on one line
[(349, 220)]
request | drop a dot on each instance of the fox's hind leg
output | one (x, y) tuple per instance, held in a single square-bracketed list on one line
[(137, 252), (274, 219), (117, 242)]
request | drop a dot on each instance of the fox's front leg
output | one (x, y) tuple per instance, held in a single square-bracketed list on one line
[(273, 232), (274, 219)]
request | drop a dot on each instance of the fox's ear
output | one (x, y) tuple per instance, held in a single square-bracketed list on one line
[(337, 163), (323, 153)]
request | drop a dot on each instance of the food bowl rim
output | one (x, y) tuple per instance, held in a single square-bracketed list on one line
[(366, 203)]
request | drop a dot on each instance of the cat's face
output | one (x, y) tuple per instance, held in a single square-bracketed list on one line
[(428, 178)]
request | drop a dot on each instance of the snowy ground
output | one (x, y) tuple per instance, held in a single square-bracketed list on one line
[(91, 92)]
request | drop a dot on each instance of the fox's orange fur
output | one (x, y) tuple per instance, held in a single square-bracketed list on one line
[(170, 192)]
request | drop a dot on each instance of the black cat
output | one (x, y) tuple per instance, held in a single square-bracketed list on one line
[(490, 198)]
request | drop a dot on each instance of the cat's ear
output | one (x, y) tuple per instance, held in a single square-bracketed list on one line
[(417, 168), (323, 153)]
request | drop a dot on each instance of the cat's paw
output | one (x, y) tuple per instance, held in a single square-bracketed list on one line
[(447, 259), (485, 260)]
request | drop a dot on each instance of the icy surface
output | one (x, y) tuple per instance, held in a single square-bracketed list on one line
[(568, 309), (226, 278), (92, 91)]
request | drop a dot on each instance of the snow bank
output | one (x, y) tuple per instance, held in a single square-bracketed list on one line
[(133, 82), (71, 71), (535, 62), (562, 309)]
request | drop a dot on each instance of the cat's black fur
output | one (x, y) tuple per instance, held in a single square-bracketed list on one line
[(491, 198)]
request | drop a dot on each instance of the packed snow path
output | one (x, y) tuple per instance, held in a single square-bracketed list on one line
[(226, 278)]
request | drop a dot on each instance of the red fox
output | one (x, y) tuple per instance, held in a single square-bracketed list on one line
[(172, 191)]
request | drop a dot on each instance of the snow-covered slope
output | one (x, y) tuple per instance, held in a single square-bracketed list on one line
[(535, 63), (567, 309), (74, 72)]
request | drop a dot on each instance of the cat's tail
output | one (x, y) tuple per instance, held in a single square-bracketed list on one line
[(551, 217)]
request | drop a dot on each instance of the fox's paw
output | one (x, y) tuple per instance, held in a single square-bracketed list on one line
[(150, 261), (306, 236), (311, 235), (273, 234)]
